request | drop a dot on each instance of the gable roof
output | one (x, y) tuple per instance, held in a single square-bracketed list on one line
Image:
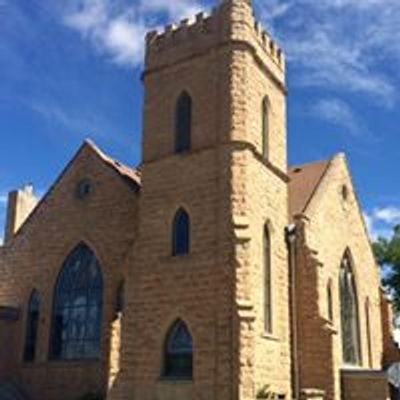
[(304, 182), (131, 176)]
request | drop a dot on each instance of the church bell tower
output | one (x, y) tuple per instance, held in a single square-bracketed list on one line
[(213, 172)]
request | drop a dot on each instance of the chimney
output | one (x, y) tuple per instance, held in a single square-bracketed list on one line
[(20, 204)]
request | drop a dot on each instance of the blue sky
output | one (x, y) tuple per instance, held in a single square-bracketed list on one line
[(70, 69)]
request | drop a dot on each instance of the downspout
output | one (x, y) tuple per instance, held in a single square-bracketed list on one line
[(291, 240)]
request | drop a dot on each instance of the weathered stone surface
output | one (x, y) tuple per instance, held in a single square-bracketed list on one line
[(231, 191)]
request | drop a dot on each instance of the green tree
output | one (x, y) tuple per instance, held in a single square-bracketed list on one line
[(387, 253)]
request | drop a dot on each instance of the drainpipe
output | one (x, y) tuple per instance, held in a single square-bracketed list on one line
[(291, 239)]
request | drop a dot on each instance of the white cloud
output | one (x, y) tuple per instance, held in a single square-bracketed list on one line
[(338, 113), (336, 44), (381, 221), (396, 337), (122, 40), (3, 200), (174, 9), (389, 215), (78, 120), (339, 44), (369, 222), (117, 29), (120, 36)]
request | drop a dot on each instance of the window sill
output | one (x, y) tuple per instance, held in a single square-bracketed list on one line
[(352, 367), (270, 336)]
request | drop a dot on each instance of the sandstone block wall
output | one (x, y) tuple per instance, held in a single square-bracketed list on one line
[(33, 258), (364, 385), (333, 225), (229, 193)]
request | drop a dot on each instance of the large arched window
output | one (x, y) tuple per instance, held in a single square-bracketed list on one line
[(267, 281), (183, 123), (32, 325), (349, 314), (265, 126), (178, 352), (181, 233), (77, 307)]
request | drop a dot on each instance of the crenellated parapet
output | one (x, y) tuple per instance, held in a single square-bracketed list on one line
[(187, 32), (269, 44), (227, 23)]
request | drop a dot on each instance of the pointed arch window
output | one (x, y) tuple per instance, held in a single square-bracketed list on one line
[(32, 325), (368, 328), (183, 123), (181, 233), (77, 307), (349, 314), (178, 352), (329, 300), (265, 126), (267, 280)]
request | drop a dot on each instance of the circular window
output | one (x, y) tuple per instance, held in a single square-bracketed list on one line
[(83, 189)]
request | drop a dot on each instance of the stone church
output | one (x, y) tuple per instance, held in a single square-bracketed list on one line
[(213, 271)]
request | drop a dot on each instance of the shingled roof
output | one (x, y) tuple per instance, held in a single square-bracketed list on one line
[(304, 181), (131, 174)]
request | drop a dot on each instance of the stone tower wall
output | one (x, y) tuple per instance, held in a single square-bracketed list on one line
[(227, 65)]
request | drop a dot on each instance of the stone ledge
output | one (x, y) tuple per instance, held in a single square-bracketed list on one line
[(363, 373)]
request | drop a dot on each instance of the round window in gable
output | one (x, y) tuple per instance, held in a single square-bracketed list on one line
[(83, 189)]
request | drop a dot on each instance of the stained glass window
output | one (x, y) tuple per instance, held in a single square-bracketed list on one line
[(267, 281), (178, 361), (77, 308), (349, 314), (181, 233), (183, 123), (32, 325)]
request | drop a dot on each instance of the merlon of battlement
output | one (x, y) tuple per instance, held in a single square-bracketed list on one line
[(195, 29)]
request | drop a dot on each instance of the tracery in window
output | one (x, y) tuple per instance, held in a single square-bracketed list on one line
[(77, 307)]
